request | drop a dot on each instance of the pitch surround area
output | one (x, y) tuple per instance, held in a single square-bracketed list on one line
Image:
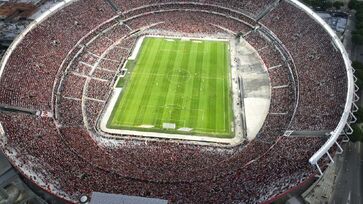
[(243, 127)]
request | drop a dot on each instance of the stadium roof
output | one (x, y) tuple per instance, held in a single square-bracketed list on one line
[(101, 198)]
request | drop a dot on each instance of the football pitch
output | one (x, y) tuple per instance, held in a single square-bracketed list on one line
[(185, 83)]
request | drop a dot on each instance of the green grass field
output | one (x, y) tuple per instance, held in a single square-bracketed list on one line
[(177, 81)]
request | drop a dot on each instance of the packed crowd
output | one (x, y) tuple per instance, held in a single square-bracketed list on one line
[(77, 165), (171, 6), (42, 51), (282, 100), (69, 160), (276, 66), (70, 112), (199, 22), (280, 75), (317, 61), (112, 65), (114, 54), (98, 89), (93, 110), (256, 39), (104, 74), (251, 7), (73, 86), (99, 45), (270, 56)]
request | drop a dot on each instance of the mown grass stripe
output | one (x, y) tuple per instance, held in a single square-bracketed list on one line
[(194, 106), (165, 83), (221, 71), (221, 93), (132, 104), (153, 66), (168, 116), (155, 103), (211, 106), (205, 99), (127, 96), (227, 94), (188, 92), (182, 82), (138, 89)]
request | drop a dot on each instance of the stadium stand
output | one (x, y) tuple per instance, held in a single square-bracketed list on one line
[(67, 65)]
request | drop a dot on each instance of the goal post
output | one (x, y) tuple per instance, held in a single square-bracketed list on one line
[(169, 125)]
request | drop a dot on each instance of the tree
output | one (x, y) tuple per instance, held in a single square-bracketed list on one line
[(338, 4), (318, 4), (359, 15), (357, 133), (359, 25), (357, 39), (357, 65), (354, 4)]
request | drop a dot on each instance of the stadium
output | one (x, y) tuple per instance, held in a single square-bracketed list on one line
[(187, 101)]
